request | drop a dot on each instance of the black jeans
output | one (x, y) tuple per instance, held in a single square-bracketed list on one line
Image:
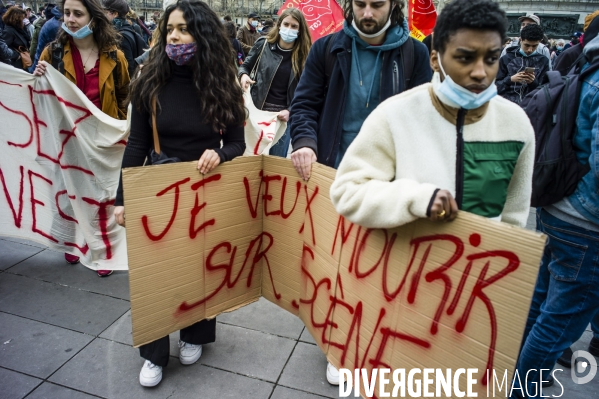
[(203, 332)]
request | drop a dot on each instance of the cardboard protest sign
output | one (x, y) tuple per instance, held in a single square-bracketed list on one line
[(323, 16), (425, 295), (61, 158)]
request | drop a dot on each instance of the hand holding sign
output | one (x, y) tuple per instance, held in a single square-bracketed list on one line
[(209, 160)]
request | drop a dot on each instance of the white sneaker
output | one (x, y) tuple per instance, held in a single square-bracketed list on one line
[(333, 375), (150, 374), (189, 353)]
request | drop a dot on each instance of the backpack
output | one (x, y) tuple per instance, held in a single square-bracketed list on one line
[(58, 52), (137, 44), (552, 109), (136, 41), (407, 59)]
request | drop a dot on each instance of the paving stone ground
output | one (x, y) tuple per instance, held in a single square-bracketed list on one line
[(66, 333)]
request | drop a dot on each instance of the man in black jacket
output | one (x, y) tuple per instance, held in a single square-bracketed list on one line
[(347, 74), (522, 67), (131, 44)]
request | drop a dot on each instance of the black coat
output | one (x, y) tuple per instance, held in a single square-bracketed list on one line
[(512, 63), (318, 108), (132, 44), (15, 39), (566, 59), (6, 54), (265, 72)]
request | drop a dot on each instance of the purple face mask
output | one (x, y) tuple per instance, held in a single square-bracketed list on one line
[(181, 53)]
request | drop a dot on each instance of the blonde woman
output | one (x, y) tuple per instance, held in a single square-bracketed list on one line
[(278, 60)]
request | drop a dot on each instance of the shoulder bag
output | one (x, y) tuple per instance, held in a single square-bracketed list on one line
[(255, 68), (157, 157)]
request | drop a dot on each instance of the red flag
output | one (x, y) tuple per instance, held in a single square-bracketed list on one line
[(323, 16), (422, 17)]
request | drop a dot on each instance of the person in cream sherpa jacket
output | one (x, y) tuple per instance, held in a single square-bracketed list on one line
[(415, 158)]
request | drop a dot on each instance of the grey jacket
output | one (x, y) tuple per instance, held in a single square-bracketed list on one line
[(265, 72)]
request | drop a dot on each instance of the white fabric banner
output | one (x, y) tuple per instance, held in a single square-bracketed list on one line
[(59, 170), (262, 128), (61, 162)]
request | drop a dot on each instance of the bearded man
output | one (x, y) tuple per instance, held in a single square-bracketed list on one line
[(349, 73)]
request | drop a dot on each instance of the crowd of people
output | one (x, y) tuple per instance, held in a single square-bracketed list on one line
[(415, 130), (25, 34)]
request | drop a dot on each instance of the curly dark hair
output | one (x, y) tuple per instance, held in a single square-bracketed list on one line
[(468, 14), (532, 32), (215, 75), (397, 15), (14, 17), (105, 36)]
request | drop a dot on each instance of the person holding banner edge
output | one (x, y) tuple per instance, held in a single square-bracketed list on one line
[(277, 61), (188, 88), (87, 44), (86, 52)]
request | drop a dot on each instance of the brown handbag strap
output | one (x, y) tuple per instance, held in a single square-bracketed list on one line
[(154, 128)]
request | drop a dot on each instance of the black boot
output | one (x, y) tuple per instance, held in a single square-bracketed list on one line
[(566, 358)]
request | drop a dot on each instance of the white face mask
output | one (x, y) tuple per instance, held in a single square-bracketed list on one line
[(373, 35)]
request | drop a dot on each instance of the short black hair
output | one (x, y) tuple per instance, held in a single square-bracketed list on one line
[(468, 14), (532, 32)]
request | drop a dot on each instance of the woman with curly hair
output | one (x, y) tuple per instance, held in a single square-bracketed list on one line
[(86, 53), (278, 59), (188, 84), (15, 35)]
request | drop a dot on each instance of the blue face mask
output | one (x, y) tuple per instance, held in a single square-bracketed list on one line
[(254, 23), (526, 55), (288, 35), (81, 33), (464, 97)]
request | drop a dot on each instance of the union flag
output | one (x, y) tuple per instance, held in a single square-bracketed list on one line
[(323, 16), (422, 17)]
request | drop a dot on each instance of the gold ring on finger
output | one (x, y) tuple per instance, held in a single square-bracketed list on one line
[(441, 214)]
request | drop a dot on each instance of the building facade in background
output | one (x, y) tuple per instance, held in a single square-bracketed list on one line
[(559, 18)]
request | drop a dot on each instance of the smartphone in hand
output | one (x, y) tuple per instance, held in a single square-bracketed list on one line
[(530, 70)]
